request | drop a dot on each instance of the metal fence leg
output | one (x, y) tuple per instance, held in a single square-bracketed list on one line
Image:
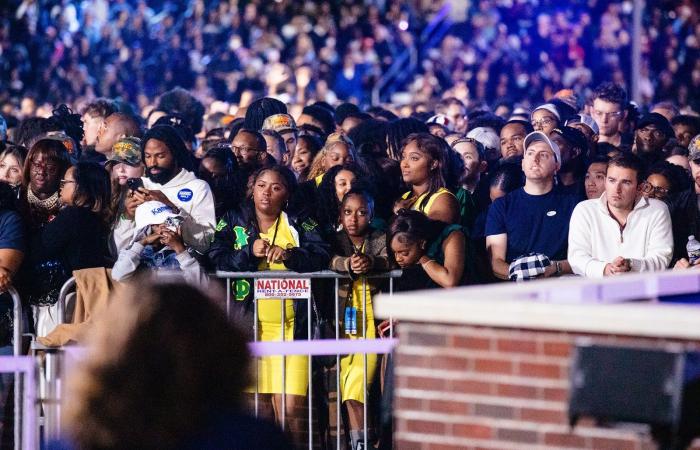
[(17, 351), (309, 388), (284, 372), (364, 361), (257, 359), (337, 372)]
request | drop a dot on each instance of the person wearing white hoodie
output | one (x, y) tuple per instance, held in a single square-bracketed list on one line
[(169, 180), (157, 245), (622, 231)]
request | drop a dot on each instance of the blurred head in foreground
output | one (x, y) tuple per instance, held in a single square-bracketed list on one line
[(162, 365)]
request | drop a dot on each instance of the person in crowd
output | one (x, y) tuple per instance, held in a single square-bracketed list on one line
[(12, 165), (665, 181), (46, 163), (219, 168), (116, 126), (307, 148), (259, 236), (260, 110), (338, 150), (141, 383), (169, 179), (470, 205), (124, 164), (275, 147), (685, 127), (595, 176), (455, 111), (397, 131), (622, 231), (352, 120), (652, 134), (284, 125), (13, 248), (512, 136), (666, 108), (491, 142), (357, 249), (75, 239), (545, 118), (157, 245), (336, 183), (250, 149), (423, 164), (586, 125), (431, 253), (608, 110), (93, 116), (573, 147), (529, 226), (319, 117)]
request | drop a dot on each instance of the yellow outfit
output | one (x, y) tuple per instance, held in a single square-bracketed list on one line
[(270, 328), (352, 366), (429, 204)]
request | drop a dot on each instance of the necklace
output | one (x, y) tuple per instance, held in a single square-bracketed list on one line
[(47, 204)]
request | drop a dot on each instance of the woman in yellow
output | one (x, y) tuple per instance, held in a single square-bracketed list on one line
[(423, 159), (357, 249), (258, 236)]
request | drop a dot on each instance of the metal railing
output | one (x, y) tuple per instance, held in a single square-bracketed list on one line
[(329, 275)]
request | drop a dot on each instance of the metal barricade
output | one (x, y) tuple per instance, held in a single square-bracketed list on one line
[(17, 319), (26, 428), (326, 274)]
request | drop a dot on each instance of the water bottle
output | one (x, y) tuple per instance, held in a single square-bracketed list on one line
[(693, 248)]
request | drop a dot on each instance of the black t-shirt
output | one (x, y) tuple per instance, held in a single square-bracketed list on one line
[(76, 237)]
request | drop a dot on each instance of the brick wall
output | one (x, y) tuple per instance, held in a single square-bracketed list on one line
[(462, 387)]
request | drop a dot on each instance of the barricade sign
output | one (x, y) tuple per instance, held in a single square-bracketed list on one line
[(294, 288)]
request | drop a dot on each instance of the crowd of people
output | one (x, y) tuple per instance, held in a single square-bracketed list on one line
[(454, 197), (497, 52), (510, 161)]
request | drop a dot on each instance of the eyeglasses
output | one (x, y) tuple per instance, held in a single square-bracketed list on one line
[(650, 189), (244, 150), (544, 122), (48, 166), (63, 183), (597, 113)]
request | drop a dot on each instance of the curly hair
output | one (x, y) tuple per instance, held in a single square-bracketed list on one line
[(153, 376), (101, 107), (181, 102), (612, 93)]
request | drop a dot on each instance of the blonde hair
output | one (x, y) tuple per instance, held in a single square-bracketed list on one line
[(162, 359), (332, 140)]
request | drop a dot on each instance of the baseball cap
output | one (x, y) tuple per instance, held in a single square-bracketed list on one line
[(126, 150), (152, 213), (694, 149), (440, 119), (279, 123), (657, 120), (538, 136), (548, 107), (586, 120)]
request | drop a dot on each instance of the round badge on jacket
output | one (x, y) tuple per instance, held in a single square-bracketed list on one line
[(185, 195)]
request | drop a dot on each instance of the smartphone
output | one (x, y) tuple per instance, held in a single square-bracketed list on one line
[(134, 183)]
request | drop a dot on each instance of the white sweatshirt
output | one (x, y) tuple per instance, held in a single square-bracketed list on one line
[(130, 259), (596, 239), (196, 203)]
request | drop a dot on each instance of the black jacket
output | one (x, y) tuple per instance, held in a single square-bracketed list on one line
[(232, 250)]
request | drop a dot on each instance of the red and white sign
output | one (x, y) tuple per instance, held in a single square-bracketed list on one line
[(295, 288)]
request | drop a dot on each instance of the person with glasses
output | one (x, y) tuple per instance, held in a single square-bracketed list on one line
[(545, 118), (652, 134), (608, 109), (46, 163), (75, 239), (622, 231)]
